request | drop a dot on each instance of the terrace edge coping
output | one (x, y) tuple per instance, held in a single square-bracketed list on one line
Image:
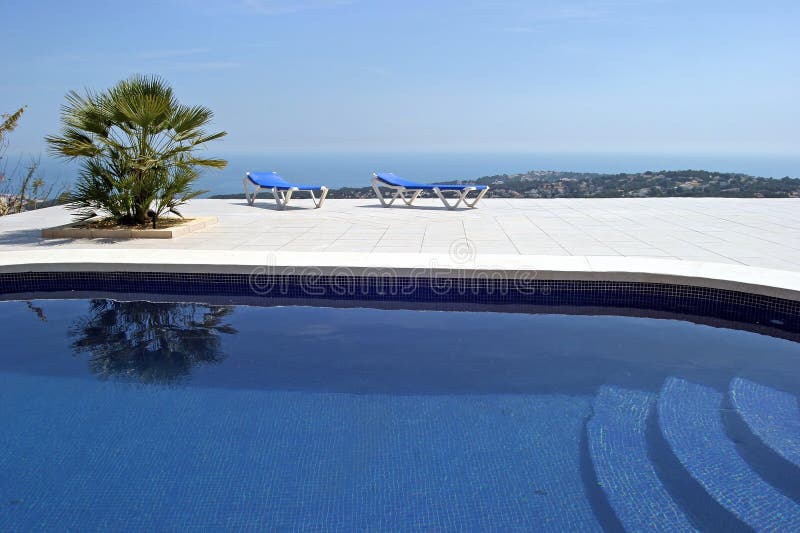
[(753, 280)]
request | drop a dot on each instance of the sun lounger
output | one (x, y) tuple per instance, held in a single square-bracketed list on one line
[(281, 189), (402, 187)]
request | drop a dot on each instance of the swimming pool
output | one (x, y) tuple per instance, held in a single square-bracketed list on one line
[(398, 414)]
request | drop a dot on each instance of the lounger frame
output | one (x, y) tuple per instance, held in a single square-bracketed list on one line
[(400, 191), (283, 195)]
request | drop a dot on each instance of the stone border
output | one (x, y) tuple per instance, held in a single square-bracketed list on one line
[(74, 231), (766, 282)]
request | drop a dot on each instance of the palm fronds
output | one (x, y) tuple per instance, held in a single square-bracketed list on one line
[(137, 146)]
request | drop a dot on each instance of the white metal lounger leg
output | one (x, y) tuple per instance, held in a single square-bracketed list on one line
[(282, 198), (409, 201), (476, 200), (461, 196), (250, 197), (323, 194), (384, 202), (399, 192)]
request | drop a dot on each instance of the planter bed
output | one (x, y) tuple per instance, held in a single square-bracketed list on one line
[(168, 228)]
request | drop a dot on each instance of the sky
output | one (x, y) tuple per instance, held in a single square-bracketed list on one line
[(437, 75)]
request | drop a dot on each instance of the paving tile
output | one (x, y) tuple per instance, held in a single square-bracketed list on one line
[(400, 243), (755, 232), (397, 249), (351, 246), (708, 259), (303, 247)]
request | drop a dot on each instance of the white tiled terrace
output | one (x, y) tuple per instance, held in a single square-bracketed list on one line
[(745, 242), (754, 232)]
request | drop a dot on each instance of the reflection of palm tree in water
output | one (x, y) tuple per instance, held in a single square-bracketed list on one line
[(150, 342), (37, 310)]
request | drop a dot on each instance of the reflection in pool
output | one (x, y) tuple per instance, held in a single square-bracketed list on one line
[(149, 342), (314, 418)]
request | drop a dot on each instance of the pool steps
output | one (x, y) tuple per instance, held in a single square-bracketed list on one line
[(689, 419), (618, 449), (772, 416)]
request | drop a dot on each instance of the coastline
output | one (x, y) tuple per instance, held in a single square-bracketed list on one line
[(649, 184), (338, 170)]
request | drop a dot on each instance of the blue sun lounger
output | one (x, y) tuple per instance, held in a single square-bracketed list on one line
[(401, 187), (281, 189)]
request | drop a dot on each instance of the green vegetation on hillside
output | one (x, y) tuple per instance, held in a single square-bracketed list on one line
[(677, 183)]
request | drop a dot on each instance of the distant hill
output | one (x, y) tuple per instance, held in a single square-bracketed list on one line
[(672, 183)]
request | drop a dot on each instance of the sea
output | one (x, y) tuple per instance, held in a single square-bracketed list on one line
[(352, 169)]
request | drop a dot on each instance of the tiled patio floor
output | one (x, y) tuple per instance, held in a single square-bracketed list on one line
[(755, 232)]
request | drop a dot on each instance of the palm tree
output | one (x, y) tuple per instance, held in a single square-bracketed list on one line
[(139, 150)]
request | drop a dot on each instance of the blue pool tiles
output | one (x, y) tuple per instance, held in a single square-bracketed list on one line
[(772, 415), (123, 457), (776, 314), (98, 455), (618, 447), (690, 418)]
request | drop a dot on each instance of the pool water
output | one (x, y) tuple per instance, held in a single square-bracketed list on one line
[(125, 416)]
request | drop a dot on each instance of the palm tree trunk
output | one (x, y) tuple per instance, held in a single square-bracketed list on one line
[(140, 215)]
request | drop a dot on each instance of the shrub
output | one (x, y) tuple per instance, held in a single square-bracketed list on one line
[(138, 147), (21, 185)]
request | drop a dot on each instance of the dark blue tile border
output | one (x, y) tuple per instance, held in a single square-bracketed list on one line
[(778, 313)]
